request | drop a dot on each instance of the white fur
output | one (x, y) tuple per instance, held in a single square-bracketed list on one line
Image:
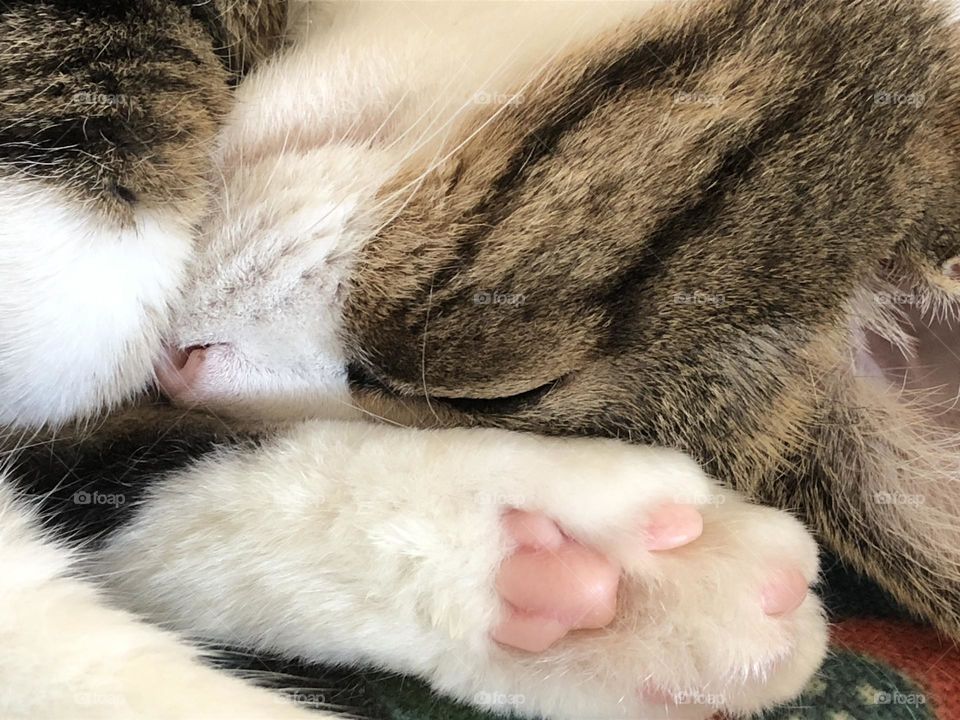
[(83, 303), (272, 305), (351, 542), (67, 654)]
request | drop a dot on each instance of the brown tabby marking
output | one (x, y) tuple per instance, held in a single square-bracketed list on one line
[(690, 270), (118, 101)]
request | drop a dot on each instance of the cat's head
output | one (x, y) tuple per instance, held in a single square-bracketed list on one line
[(661, 241)]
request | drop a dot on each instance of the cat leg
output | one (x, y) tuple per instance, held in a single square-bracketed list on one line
[(84, 301), (109, 116), (358, 543), (67, 654)]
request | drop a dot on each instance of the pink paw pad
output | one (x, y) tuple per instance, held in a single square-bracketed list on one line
[(784, 592), (553, 584)]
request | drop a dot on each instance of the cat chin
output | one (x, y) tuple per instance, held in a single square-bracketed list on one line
[(85, 301)]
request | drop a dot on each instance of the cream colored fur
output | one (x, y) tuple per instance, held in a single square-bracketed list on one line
[(349, 541), (69, 654), (356, 543)]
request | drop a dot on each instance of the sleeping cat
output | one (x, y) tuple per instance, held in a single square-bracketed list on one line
[(456, 555), (548, 218), (483, 560), (724, 227), (679, 239)]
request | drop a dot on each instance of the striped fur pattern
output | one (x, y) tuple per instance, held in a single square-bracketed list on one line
[(718, 228), (706, 226)]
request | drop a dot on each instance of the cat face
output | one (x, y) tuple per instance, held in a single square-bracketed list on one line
[(662, 234), (311, 163)]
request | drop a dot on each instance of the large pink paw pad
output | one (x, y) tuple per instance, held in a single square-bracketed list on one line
[(553, 585)]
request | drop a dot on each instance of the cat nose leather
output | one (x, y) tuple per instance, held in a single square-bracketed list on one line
[(178, 371)]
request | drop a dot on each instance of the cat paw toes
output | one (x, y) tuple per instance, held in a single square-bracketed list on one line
[(552, 584)]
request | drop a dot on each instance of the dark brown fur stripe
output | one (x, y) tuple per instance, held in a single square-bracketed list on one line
[(651, 64), (627, 296)]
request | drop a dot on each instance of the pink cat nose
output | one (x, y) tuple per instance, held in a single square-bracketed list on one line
[(178, 371)]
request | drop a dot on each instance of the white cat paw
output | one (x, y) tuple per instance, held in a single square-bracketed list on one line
[(631, 587)]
